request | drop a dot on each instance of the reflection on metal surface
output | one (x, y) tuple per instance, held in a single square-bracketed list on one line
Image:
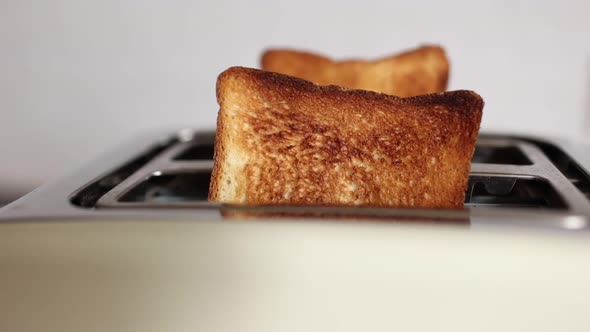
[(574, 223)]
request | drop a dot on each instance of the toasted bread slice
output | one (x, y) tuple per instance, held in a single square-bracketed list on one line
[(420, 71), (284, 140)]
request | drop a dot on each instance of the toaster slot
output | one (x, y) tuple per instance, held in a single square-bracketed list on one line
[(196, 152), (509, 155), (512, 192), (170, 188), (89, 195), (578, 178), (568, 167)]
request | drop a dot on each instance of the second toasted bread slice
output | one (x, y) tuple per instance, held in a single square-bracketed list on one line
[(420, 71), (283, 140)]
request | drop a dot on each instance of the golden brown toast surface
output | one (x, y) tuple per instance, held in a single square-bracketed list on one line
[(284, 140), (420, 71)]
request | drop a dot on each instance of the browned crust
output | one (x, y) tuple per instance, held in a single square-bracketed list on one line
[(414, 72), (218, 153), (269, 57), (442, 127)]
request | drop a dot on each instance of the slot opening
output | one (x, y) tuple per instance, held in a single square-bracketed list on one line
[(196, 152), (171, 188), (507, 155), (572, 171), (90, 194), (512, 192)]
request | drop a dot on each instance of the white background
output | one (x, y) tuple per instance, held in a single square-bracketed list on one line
[(77, 78)]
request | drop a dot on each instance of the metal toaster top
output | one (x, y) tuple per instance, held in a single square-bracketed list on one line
[(511, 178)]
